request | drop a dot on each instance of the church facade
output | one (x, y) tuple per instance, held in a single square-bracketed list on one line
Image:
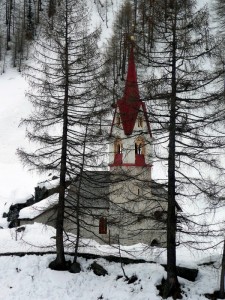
[(122, 205)]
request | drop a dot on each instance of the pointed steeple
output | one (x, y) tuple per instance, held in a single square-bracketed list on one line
[(131, 92), (130, 103)]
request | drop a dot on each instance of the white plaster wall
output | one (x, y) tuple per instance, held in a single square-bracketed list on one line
[(129, 142), (132, 209)]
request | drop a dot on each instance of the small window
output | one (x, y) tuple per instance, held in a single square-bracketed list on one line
[(155, 243), (138, 149), (102, 225), (140, 121), (118, 120), (140, 146), (118, 146)]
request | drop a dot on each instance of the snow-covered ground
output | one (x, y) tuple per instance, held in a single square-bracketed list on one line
[(29, 277), (16, 181)]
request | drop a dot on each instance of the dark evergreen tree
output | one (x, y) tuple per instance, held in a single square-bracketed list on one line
[(185, 109), (63, 94), (174, 47), (29, 20)]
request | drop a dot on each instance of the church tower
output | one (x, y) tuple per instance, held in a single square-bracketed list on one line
[(131, 137), (130, 165)]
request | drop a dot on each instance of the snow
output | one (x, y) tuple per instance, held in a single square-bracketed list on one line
[(49, 184), (36, 209), (27, 274), (29, 277), (23, 279), (17, 183)]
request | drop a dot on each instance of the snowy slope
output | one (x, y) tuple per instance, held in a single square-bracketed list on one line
[(16, 182), (29, 277)]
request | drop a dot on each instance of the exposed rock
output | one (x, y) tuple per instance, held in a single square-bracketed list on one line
[(189, 274), (14, 210), (216, 295), (132, 279), (54, 265), (166, 290), (75, 268), (20, 229), (40, 194), (98, 269)]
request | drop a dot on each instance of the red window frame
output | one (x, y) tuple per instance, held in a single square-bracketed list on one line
[(103, 225)]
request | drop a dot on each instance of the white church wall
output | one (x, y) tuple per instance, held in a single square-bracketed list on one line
[(128, 142)]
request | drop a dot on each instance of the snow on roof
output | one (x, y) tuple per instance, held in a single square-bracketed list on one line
[(38, 208), (49, 184)]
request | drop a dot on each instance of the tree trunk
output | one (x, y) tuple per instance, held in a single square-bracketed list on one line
[(172, 284), (60, 263), (222, 278)]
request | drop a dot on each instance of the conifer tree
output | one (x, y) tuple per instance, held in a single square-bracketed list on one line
[(62, 82), (219, 8), (174, 47), (183, 103)]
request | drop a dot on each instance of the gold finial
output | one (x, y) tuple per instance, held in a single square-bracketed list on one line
[(132, 39)]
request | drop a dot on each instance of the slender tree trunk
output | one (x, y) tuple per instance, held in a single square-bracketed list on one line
[(60, 262), (78, 199), (172, 281), (222, 277), (79, 195)]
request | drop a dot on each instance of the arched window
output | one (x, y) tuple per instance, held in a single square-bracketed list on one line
[(140, 146), (118, 147), (155, 243), (140, 121), (118, 152)]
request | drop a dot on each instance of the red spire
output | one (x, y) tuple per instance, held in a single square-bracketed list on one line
[(131, 92), (130, 103)]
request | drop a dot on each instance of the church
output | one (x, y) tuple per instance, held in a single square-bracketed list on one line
[(122, 205)]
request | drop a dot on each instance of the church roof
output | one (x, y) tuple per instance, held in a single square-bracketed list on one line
[(94, 193), (130, 104), (94, 189)]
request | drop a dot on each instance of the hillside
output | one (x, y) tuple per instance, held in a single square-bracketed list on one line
[(28, 277), (26, 254)]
